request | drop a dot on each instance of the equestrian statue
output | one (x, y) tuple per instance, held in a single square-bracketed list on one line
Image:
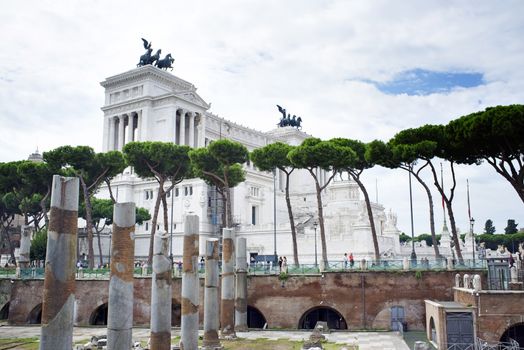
[(287, 120), (149, 59)]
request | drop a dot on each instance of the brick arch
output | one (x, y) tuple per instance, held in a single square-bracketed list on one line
[(514, 331), (413, 310), (98, 316), (176, 313), (325, 313), (35, 315), (4, 311)]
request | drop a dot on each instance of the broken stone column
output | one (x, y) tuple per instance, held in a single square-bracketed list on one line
[(59, 283), (477, 284), (120, 305), (161, 294), (227, 305), (211, 341), (25, 247), (405, 263), (190, 285), (241, 286)]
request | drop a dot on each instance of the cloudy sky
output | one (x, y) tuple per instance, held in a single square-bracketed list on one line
[(357, 69)]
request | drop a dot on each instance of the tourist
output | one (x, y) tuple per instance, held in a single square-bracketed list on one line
[(511, 260), (202, 261), (280, 264), (351, 260), (345, 260), (284, 265)]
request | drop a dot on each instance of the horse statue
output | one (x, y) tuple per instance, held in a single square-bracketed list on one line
[(299, 120), (165, 62), (155, 57), (145, 58)]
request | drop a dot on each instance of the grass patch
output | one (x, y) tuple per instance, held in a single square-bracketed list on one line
[(19, 343)]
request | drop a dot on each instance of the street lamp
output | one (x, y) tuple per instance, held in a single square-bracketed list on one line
[(413, 254), (275, 213), (471, 223), (110, 243), (172, 191), (315, 224)]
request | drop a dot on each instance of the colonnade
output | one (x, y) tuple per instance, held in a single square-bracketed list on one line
[(187, 128)]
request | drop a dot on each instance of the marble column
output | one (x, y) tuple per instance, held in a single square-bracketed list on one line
[(211, 321), (120, 132), (241, 286), (191, 142), (227, 302), (120, 304), (25, 247), (182, 138), (139, 126), (161, 294), (202, 131), (111, 140), (60, 266), (173, 126), (105, 142), (190, 285), (130, 123)]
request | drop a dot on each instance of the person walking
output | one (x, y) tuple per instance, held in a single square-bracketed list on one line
[(345, 260), (351, 260), (279, 264), (284, 265)]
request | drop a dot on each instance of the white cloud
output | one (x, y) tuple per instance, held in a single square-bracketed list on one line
[(247, 56)]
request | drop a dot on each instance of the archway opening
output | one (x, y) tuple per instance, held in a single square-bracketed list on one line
[(176, 313), (99, 316), (433, 330), (255, 319), (324, 314), (35, 316), (4, 313), (515, 332)]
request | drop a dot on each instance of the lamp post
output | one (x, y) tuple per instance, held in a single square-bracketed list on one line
[(471, 223), (315, 224), (109, 258), (413, 254), (275, 213), (171, 227)]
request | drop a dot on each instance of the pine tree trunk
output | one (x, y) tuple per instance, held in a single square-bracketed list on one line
[(370, 215), (89, 223), (431, 215), (320, 220), (454, 233), (44, 206), (154, 220), (100, 248), (291, 222)]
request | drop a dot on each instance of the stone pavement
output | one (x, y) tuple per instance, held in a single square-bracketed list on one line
[(365, 340)]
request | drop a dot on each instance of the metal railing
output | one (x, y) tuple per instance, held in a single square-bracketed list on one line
[(481, 344), (263, 268)]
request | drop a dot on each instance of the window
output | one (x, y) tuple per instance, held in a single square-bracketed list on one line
[(254, 216), (176, 192), (168, 194), (254, 191), (148, 194), (147, 226), (190, 190), (186, 191)]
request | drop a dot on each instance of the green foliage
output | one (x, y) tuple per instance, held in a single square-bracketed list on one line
[(404, 237), (488, 227), (511, 227), (418, 274), (272, 156), (327, 155), (216, 167), (511, 241), (283, 276), (160, 160), (39, 245)]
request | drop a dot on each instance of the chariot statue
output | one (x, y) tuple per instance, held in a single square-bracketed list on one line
[(287, 120), (148, 58)]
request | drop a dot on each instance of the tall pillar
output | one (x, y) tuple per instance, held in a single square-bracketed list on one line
[(211, 341), (241, 286), (227, 303), (191, 142), (120, 132), (111, 138), (25, 247), (120, 305), (139, 126), (182, 138), (173, 125), (130, 123), (202, 132), (190, 285), (161, 294), (60, 267), (105, 142)]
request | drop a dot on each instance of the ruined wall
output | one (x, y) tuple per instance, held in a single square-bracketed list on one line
[(362, 298)]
